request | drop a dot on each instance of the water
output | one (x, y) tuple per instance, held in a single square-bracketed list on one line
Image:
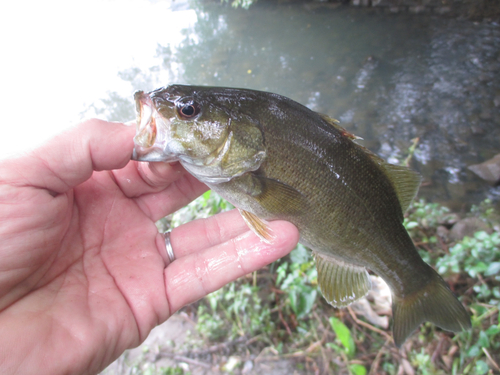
[(388, 78)]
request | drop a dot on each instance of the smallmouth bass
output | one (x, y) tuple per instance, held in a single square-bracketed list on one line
[(273, 158)]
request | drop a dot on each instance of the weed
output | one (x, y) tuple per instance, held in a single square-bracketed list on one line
[(297, 280), (279, 310)]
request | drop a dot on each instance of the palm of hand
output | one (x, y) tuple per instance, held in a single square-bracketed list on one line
[(103, 287), (82, 274)]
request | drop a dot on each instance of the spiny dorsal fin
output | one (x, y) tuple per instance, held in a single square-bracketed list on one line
[(336, 124), (341, 283)]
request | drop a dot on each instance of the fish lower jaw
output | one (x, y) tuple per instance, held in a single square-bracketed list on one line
[(152, 154), (206, 175)]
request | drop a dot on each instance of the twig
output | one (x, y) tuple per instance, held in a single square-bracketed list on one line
[(210, 350), (280, 314), (298, 354), (487, 314), (437, 350), (485, 351), (374, 366), (367, 325), (253, 339), (276, 290), (181, 358)]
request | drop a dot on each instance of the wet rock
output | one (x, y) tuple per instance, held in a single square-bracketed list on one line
[(247, 367), (485, 114), (363, 307), (496, 101), (363, 3), (417, 9), (467, 227), (376, 311), (443, 233), (442, 10), (489, 170), (382, 3), (449, 219)]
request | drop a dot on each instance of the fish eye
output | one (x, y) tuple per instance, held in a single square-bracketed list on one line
[(188, 110)]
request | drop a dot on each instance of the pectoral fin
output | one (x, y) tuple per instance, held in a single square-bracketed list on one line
[(341, 283), (258, 226), (279, 198)]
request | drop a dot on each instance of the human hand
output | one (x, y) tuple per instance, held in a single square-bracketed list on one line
[(83, 271)]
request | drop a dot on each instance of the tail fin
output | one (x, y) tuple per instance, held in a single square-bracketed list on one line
[(434, 303)]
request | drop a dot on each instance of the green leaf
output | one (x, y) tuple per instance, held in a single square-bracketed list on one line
[(473, 351), (358, 369), (483, 340), (411, 225), (481, 367), (344, 335), (493, 269), (206, 197), (299, 254)]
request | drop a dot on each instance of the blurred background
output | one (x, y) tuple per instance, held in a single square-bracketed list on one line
[(420, 85), (389, 78)]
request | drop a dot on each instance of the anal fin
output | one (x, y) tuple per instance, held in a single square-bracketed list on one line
[(259, 226), (341, 283)]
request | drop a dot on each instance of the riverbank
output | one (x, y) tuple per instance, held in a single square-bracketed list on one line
[(476, 10), (275, 321)]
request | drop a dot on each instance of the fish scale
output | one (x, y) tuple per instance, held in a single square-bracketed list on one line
[(273, 158)]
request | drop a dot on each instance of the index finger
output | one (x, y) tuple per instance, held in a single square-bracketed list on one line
[(70, 158)]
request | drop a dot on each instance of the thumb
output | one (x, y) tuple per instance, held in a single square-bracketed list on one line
[(71, 157)]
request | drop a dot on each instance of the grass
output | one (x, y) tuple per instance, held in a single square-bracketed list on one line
[(278, 314)]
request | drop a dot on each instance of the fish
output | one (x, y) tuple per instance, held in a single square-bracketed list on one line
[(275, 159)]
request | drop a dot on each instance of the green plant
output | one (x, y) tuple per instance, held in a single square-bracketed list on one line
[(234, 310), (422, 219), (297, 280), (479, 256), (173, 371), (245, 4)]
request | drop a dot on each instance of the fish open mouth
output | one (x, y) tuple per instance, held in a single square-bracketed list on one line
[(152, 131), (146, 124)]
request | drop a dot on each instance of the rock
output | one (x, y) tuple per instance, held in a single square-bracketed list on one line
[(376, 312), (467, 227), (362, 307), (485, 114), (489, 170), (363, 3), (443, 233), (442, 10), (417, 9), (496, 101), (383, 3)]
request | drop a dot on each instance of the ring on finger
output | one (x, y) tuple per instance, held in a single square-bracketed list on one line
[(168, 246)]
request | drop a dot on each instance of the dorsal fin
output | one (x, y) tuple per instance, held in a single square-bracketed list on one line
[(336, 124), (404, 180)]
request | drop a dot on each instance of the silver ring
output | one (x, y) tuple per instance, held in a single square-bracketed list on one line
[(168, 246)]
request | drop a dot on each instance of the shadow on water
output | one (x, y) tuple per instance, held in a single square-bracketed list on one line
[(389, 79)]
